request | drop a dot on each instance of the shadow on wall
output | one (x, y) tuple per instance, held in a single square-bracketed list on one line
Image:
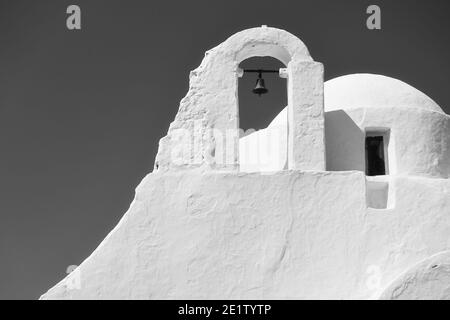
[(344, 142)]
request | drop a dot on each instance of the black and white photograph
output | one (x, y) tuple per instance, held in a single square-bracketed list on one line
[(224, 155)]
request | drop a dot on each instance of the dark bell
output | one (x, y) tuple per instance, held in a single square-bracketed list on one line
[(260, 87)]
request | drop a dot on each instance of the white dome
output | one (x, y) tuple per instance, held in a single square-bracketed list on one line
[(365, 90), (355, 91)]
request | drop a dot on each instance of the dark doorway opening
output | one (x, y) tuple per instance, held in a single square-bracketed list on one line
[(375, 156)]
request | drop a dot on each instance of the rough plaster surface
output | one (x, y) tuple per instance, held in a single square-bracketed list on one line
[(200, 229), (429, 279), (291, 234)]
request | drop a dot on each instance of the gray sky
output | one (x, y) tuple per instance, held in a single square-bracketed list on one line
[(81, 112)]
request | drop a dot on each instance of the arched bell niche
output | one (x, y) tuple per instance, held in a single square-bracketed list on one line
[(210, 110)]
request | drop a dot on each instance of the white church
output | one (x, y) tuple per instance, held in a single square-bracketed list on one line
[(345, 195)]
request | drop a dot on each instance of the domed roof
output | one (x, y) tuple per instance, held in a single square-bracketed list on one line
[(365, 90)]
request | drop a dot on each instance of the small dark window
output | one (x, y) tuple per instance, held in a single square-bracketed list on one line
[(375, 159)]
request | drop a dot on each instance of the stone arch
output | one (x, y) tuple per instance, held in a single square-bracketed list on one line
[(205, 130)]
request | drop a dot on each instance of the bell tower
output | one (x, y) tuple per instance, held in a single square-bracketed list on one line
[(205, 130)]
